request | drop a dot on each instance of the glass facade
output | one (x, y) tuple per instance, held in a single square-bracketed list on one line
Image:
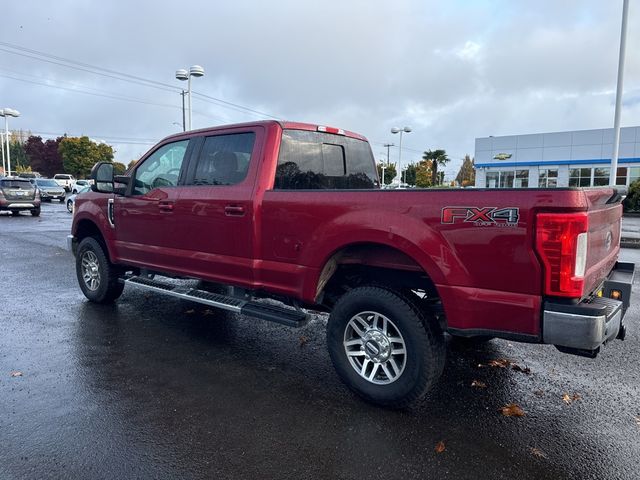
[(548, 177)]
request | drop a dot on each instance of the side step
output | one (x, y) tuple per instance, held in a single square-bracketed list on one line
[(264, 311)]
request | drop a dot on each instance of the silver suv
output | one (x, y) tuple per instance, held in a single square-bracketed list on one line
[(18, 194)]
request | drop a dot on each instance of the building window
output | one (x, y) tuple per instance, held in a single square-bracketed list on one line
[(548, 178), (492, 179), (579, 177), (634, 174), (522, 179), (621, 176), (601, 176), (506, 179)]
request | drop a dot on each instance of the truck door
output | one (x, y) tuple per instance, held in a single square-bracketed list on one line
[(214, 213), (144, 218)]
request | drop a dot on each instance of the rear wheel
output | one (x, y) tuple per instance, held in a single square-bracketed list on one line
[(383, 347), (97, 276), (70, 206)]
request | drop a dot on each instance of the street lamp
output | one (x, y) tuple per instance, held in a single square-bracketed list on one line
[(6, 113), (401, 131), (383, 167), (182, 74)]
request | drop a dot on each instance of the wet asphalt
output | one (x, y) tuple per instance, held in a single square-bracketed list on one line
[(154, 387)]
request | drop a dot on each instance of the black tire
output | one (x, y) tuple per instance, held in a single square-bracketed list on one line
[(35, 212), (61, 199), (403, 381), (70, 206), (97, 276), (15, 213)]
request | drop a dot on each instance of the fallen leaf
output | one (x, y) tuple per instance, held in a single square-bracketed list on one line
[(440, 447), (518, 368), (569, 399), (208, 312), (16, 374), (189, 312), (500, 363), (637, 419), (512, 410), (303, 341), (536, 452), (478, 384)]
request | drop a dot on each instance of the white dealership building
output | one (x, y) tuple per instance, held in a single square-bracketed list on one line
[(559, 159)]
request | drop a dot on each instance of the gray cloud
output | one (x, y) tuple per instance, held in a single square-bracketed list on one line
[(452, 70)]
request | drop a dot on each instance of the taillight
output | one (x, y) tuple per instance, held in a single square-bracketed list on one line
[(561, 243)]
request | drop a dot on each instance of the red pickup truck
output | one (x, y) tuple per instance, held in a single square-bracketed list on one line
[(293, 212)]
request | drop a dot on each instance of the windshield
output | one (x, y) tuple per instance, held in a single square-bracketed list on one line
[(46, 183)]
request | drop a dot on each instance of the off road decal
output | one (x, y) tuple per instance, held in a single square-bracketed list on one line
[(481, 216)]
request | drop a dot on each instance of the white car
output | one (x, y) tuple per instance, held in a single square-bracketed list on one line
[(65, 180)]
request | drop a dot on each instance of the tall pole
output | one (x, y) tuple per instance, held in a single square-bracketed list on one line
[(189, 90), (6, 136), (4, 165), (388, 145), (616, 121), (404, 173), (184, 125)]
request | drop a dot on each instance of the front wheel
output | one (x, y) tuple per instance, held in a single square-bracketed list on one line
[(97, 276), (384, 347), (70, 206)]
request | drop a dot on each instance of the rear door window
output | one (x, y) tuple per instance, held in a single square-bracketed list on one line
[(223, 159), (318, 160)]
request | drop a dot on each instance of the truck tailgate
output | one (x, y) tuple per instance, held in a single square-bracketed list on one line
[(605, 221)]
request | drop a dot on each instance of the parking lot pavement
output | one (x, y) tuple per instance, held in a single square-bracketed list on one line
[(153, 387)]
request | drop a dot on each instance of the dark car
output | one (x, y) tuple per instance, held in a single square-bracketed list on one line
[(18, 194), (49, 189)]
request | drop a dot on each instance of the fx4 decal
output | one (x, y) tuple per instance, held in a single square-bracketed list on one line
[(481, 216)]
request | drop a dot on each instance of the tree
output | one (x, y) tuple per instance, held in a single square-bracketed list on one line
[(423, 174), (410, 174), (132, 164), (389, 173), (44, 156), (18, 156), (632, 202), (80, 154), (467, 174), (119, 168), (437, 157)]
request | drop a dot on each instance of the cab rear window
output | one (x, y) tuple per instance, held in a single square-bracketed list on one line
[(321, 161), (21, 184)]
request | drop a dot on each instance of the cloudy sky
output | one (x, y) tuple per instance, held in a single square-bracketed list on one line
[(452, 70)]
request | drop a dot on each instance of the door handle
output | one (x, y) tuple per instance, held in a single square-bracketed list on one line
[(234, 210), (165, 206)]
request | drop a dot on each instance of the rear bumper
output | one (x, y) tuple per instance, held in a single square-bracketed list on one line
[(585, 327)]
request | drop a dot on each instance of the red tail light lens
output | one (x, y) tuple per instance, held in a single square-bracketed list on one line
[(561, 243)]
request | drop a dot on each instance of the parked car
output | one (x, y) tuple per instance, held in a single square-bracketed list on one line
[(30, 175), (79, 185), (65, 180), (17, 195), (71, 199), (49, 189), (294, 212)]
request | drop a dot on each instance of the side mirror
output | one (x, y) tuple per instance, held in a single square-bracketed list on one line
[(102, 176)]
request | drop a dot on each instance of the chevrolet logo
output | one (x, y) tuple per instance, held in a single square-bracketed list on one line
[(502, 156)]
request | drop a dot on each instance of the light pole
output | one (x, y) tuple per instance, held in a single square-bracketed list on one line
[(4, 165), (401, 131), (383, 167), (388, 146), (6, 113), (182, 74), (616, 115)]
